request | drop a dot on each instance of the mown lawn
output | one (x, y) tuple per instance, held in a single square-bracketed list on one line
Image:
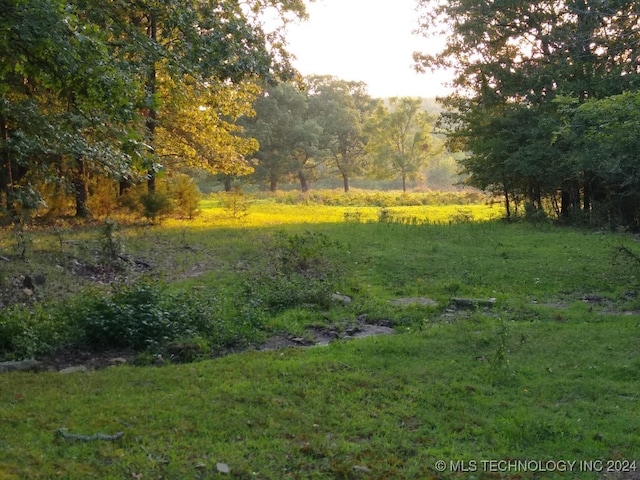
[(549, 374)]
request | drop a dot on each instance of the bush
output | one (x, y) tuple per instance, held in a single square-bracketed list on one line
[(184, 326), (155, 205), (137, 317), (184, 195), (28, 332), (148, 317)]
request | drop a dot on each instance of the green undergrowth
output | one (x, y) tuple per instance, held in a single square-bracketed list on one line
[(476, 390), (226, 288)]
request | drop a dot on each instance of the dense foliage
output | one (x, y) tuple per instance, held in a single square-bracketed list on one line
[(122, 90), (543, 92)]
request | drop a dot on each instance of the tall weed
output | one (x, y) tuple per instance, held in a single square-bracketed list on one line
[(295, 270)]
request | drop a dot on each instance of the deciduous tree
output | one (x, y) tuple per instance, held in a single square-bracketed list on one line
[(400, 139), (341, 108), (287, 137)]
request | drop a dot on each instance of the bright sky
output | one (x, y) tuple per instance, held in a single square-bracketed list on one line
[(365, 40)]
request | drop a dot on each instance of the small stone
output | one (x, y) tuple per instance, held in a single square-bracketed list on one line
[(352, 331), (344, 299), (592, 298), (118, 361), (361, 469), (223, 468), (75, 369)]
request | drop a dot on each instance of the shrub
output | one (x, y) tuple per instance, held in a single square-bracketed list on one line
[(149, 317), (235, 204), (137, 317), (184, 326), (155, 205), (27, 332), (184, 195)]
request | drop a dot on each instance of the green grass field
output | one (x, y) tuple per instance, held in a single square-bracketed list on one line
[(542, 385)]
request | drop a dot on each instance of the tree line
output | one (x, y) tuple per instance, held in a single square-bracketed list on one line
[(99, 97), (545, 103), (325, 126)]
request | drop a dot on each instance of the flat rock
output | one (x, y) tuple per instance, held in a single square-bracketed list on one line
[(344, 299), (75, 369), (21, 366), (118, 361), (369, 330), (424, 301)]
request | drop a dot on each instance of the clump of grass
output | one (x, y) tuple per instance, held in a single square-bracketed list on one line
[(295, 270)]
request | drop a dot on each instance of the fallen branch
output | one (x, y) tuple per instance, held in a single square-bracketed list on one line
[(62, 432)]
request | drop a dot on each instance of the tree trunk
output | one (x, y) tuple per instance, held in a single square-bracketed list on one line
[(6, 170), (5, 167), (304, 186), (404, 182), (151, 181), (123, 186), (345, 182), (507, 203), (566, 204), (81, 189), (152, 113), (273, 185), (227, 184), (587, 192)]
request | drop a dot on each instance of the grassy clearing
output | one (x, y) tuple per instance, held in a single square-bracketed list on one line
[(550, 373)]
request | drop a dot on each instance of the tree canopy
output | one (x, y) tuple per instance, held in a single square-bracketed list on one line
[(342, 109), (513, 61), (287, 136), (115, 89), (401, 142)]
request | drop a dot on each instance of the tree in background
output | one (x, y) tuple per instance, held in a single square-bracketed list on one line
[(287, 137), (400, 139), (512, 59), (341, 108)]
